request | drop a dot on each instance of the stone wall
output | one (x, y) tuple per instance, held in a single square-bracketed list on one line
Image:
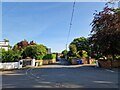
[(45, 62)]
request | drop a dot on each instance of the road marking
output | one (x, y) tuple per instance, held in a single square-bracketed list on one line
[(33, 74), (109, 70), (29, 72)]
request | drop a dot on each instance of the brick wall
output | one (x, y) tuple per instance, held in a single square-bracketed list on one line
[(109, 64), (88, 61)]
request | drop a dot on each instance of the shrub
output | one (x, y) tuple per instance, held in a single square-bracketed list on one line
[(49, 56), (10, 56), (53, 56), (64, 52), (35, 51), (39, 57)]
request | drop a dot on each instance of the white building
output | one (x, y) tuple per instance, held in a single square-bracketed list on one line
[(49, 50), (4, 45)]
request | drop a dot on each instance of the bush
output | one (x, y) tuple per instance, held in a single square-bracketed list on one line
[(53, 56), (35, 51), (10, 56), (49, 56), (39, 57), (64, 52)]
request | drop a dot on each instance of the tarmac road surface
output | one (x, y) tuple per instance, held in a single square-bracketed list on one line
[(61, 76)]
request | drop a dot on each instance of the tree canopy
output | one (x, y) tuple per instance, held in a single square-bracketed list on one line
[(81, 43), (106, 32), (64, 52), (35, 51), (23, 44), (78, 47)]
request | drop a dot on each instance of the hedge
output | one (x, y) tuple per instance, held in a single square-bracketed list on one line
[(49, 56)]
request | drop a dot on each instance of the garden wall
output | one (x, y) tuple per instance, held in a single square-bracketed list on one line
[(84, 61), (88, 61), (45, 62), (109, 64), (9, 65)]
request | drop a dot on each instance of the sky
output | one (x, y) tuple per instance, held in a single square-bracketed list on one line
[(47, 22)]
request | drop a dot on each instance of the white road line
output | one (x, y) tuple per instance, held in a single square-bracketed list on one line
[(29, 72), (109, 70), (33, 74)]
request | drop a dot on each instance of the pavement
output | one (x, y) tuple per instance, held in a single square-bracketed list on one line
[(61, 76)]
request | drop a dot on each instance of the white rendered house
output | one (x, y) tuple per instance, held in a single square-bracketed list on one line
[(4, 45)]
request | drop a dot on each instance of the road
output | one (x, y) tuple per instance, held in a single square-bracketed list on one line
[(61, 76)]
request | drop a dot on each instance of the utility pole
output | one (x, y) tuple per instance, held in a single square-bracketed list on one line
[(119, 4), (70, 26)]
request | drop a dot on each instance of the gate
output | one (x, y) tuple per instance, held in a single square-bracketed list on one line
[(27, 62)]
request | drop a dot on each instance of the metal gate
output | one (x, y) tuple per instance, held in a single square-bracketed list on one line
[(27, 62)]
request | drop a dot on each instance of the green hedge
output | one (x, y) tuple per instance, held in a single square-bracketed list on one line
[(39, 57), (53, 56), (49, 56), (10, 56)]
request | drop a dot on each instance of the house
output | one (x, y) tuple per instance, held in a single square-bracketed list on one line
[(49, 50), (4, 45)]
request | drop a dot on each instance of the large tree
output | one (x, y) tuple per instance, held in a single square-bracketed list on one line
[(35, 51), (23, 44), (81, 43), (106, 32), (64, 52), (78, 46)]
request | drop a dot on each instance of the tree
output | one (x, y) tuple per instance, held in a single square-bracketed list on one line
[(32, 43), (64, 52), (49, 56), (35, 51), (73, 50), (106, 32), (81, 43), (1, 53), (77, 46), (6, 40), (9, 47), (10, 56), (23, 44)]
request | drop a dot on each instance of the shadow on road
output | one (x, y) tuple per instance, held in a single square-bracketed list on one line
[(60, 75)]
